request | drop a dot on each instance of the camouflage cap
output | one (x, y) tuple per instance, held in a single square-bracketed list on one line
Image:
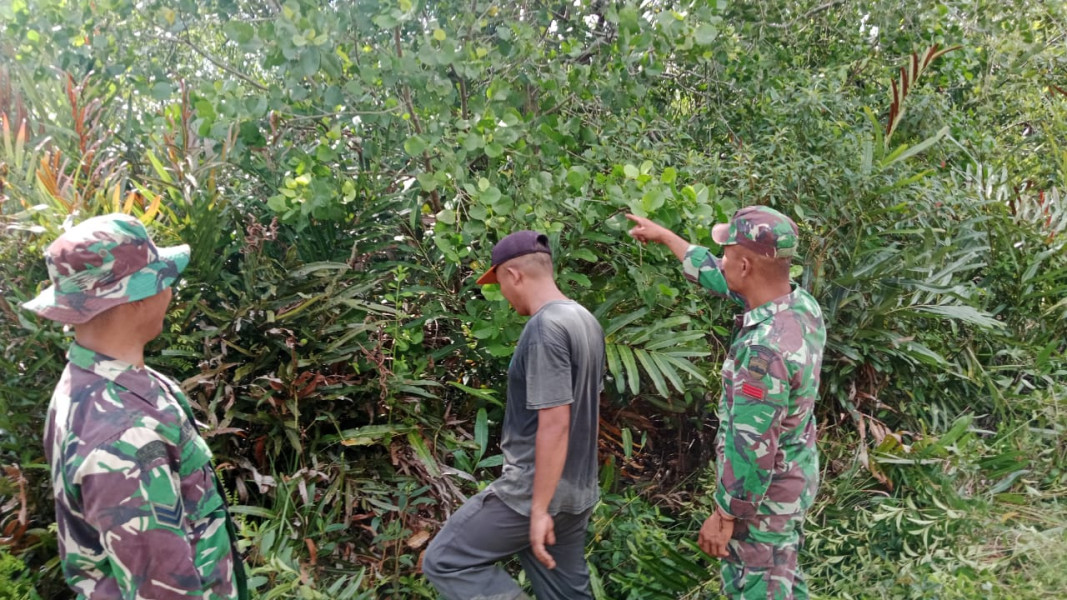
[(761, 229), (103, 262)]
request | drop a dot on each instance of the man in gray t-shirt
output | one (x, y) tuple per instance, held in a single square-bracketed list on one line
[(539, 507)]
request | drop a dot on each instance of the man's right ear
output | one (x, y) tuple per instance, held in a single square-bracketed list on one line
[(513, 274)]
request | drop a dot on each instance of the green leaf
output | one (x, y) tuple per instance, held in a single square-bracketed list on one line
[(668, 371), (447, 216), (252, 511), (371, 434), (484, 394), (418, 444), (967, 314), (652, 371), (705, 34), (683, 364), (623, 320), (585, 254), (491, 462), (239, 31), (481, 432), (632, 375), (415, 145), (614, 367), (670, 174), (903, 152), (490, 196), (309, 62), (577, 177), (652, 200), (876, 133), (630, 171)]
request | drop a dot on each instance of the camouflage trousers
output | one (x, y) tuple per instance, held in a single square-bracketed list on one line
[(763, 559)]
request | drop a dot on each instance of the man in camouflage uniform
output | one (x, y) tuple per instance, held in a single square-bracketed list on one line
[(767, 464), (140, 512)]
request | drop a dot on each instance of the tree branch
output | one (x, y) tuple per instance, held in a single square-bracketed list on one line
[(213, 60), (435, 199), (812, 12)]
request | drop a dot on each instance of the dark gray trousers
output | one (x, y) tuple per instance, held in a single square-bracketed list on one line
[(461, 561)]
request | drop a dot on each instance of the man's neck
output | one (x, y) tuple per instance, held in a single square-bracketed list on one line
[(766, 292), (110, 344), (544, 295)]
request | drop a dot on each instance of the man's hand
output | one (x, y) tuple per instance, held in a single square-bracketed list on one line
[(715, 534), (542, 533), (645, 230)]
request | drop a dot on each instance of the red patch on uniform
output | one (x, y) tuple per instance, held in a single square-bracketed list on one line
[(752, 391)]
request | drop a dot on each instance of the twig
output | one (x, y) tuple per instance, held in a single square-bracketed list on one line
[(435, 199), (213, 61), (812, 12)]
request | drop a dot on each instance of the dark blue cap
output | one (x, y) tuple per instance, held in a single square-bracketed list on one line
[(512, 246)]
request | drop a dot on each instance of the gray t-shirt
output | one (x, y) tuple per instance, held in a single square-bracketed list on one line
[(559, 360)]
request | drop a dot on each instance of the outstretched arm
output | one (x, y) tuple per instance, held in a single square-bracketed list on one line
[(646, 230), (700, 266)]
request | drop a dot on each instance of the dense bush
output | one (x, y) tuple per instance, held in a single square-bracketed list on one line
[(341, 170)]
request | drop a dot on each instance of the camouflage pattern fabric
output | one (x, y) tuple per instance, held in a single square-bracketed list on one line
[(766, 458), (138, 506), (763, 559), (761, 229), (103, 262)]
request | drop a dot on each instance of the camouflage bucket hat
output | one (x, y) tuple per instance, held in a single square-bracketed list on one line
[(761, 229), (103, 262)]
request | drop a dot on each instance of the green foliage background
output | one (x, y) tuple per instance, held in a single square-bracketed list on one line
[(342, 169)]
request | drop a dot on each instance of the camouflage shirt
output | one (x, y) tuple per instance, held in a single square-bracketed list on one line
[(139, 510), (765, 449)]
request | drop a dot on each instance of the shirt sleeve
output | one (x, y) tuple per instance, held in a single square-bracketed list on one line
[(704, 269), (131, 493), (548, 371), (753, 427)]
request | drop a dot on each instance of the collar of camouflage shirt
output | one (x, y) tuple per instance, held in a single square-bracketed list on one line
[(767, 310), (122, 373)]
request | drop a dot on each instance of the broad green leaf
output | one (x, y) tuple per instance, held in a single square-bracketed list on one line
[(418, 444), (490, 196), (415, 145), (447, 216), (670, 174), (652, 371), (615, 367), (623, 320), (705, 34), (682, 363), (903, 152), (371, 434), (484, 394), (577, 177), (632, 376), (481, 432), (967, 314), (668, 371)]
